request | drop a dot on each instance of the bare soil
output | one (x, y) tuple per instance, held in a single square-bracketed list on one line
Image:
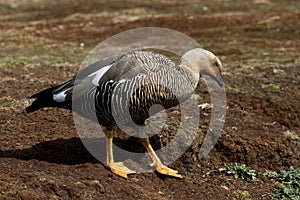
[(43, 44)]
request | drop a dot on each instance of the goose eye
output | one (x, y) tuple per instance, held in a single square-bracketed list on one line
[(215, 63)]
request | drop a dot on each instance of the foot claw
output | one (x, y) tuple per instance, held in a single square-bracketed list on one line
[(168, 171), (121, 170)]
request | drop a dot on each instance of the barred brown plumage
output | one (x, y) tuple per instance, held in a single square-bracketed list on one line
[(131, 82)]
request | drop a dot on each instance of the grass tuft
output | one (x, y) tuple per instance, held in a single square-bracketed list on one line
[(293, 136), (14, 63), (226, 86), (289, 184), (271, 86), (242, 194), (8, 103), (271, 174), (239, 171)]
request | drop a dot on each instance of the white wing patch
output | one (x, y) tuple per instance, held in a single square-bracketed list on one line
[(99, 73), (60, 97)]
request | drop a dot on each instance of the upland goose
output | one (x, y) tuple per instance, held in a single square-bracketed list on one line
[(139, 79)]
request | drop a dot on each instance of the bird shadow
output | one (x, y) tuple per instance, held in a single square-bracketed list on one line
[(73, 151)]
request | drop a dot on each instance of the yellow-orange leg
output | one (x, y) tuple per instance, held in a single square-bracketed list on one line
[(118, 167), (161, 168)]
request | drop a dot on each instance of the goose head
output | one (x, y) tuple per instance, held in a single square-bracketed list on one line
[(202, 62)]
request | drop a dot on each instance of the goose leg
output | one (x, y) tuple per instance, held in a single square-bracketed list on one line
[(116, 167), (161, 168)]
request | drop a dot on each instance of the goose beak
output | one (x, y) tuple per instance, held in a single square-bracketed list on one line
[(219, 81)]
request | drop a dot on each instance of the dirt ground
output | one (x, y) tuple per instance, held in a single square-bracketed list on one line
[(42, 43)]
